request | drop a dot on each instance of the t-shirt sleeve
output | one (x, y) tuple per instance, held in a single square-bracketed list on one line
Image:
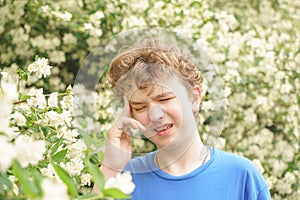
[(264, 194), (256, 186)]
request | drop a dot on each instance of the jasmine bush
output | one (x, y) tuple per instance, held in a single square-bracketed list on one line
[(254, 43)]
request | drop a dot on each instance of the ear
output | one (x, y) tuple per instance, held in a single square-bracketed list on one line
[(196, 99)]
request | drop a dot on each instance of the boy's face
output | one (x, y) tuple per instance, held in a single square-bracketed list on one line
[(165, 109)]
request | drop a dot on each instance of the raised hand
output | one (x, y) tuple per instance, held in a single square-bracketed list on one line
[(118, 146)]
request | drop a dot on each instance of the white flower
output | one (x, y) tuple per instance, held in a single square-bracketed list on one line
[(67, 102), (258, 164), (66, 115), (76, 150), (121, 181), (68, 134), (54, 190), (34, 91), (7, 154), (63, 15), (96, 32), (69, 38), (15, 187), (8, 94), (32, 101), (19, 118), (250, 116), (45, 8), (41, 101), (88, 26), (50, 172), (74, 166), (29, 151), (261, 100), (97, 15), (57, 56), (40, 67), (55, 118), (85, 179), (290, 178), (52, 101), (8, 91)]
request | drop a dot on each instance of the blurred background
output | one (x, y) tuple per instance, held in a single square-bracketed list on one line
[(254, 43)]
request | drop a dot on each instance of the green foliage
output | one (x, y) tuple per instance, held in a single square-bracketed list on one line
[(30, 188), (254, 43), (5, 184), (96, 173), (67, 179)]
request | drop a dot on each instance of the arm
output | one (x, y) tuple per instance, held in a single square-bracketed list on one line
[(118, 149)]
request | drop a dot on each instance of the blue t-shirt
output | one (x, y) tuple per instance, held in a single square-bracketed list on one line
[(224, 177)]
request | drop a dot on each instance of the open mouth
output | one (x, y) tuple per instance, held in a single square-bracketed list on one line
[(164, 130)]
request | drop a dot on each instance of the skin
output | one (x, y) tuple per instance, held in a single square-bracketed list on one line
[(168, 105)]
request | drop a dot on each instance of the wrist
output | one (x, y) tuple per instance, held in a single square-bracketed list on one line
[(109, 172)]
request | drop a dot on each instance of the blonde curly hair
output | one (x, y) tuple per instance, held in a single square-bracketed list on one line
[(149, 60)]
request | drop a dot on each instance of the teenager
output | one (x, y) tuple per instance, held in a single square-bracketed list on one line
[(161, 91)]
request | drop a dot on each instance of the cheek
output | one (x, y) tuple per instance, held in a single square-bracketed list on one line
[(142, 118), (174, 111)]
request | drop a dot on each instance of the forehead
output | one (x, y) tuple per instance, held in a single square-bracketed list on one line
[(170, 86)]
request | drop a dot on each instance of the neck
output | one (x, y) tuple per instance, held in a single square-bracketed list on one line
[(184, 159)]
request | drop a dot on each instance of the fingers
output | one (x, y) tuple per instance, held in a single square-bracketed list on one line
[(124, 122), (127, 111)]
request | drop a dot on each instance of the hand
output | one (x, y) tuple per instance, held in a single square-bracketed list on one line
[(118, 146)]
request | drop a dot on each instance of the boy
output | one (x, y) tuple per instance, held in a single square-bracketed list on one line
[(162, 95)]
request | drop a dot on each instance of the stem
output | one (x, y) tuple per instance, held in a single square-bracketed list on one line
[(46, 95), (19, 83), (41, 132)]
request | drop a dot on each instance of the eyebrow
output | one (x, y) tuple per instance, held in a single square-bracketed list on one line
[(164, 94)]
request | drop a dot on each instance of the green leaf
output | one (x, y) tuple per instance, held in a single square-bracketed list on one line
[(89, 196), (96, 174), (67, 179), (37, 178), (45, 130), (55, 146), (29, 188), (25, 77), (82, 122), (59, 156), (58, 110), (115, 193), (94, 159), (4, 181)]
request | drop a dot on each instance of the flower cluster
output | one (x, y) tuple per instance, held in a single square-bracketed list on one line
[(40, 67), (121, 181), (254, 43), (40, 147)]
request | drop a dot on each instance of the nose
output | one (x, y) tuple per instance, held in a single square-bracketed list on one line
[(156, 113)]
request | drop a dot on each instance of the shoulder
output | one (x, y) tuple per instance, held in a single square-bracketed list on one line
[(241, 168), (237, 165), (234, 161), (141, 164)]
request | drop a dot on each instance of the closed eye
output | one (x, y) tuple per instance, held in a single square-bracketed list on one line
[(139, 109), (166, 99)]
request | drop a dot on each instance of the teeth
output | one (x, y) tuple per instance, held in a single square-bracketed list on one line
[(163, 128)]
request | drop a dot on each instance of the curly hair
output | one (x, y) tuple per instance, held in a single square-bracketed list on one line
[(148, 54), (151, 51)]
